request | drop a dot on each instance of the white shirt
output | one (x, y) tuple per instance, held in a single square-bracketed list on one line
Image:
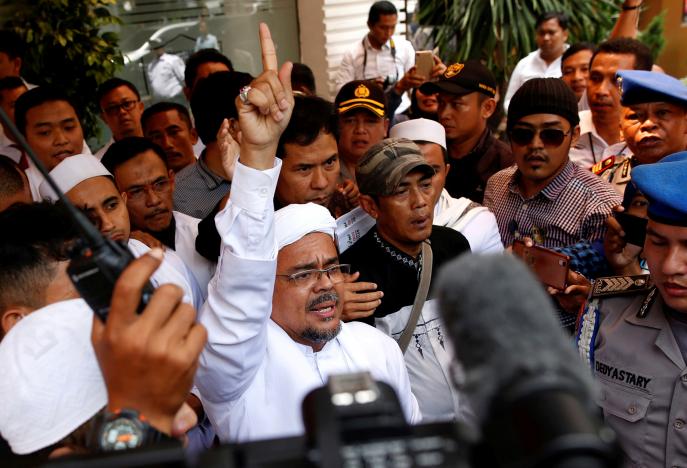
[(166, 75), (478, 225), (531, 66), (252, 376), (101, 152), (590, 147), (36, 178), (171, 270), (380, 62), (185, 247), (208, 41)]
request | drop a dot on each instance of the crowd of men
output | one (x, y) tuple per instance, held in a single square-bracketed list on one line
[(291, 238)]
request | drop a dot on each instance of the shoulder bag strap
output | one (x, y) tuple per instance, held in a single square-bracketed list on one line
[(420, 296)]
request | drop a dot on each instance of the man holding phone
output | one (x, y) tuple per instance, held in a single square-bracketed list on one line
[(635, 340), (545, 196)]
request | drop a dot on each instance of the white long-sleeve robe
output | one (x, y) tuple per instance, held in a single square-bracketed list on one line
[(252, 376)]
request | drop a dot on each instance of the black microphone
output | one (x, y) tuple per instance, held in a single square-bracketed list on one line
[(96, 261), (532, 396)]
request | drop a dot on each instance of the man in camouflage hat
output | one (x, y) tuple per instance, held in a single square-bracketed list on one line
[(396, 189)]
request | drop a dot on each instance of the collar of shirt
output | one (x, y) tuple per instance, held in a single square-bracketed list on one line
[(553, 189), (481, 147), (398, 256), (212, 180), (368, 45)]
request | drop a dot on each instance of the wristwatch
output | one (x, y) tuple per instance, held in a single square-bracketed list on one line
[(127, 429)]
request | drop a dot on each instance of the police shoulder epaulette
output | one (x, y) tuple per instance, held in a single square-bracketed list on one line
[(602, 165), (619, 285)]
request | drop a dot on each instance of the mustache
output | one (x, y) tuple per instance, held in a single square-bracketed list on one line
[(157, 212), (325, 297)]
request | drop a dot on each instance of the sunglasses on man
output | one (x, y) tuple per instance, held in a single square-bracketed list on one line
[(552, 137)]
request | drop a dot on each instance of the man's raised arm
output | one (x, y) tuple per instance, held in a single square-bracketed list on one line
[(240, 294)]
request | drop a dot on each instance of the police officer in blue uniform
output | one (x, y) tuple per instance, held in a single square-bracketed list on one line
[(633, 330)]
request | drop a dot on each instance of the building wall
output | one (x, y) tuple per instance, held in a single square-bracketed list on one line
[(330, 27), (673, 59)]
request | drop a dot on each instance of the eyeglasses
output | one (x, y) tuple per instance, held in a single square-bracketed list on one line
[(335, 273), (113, 109), (138, 193), (549, 136)]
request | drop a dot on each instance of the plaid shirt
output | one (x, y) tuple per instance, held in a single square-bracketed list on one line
[(198, 190), (573, 207)]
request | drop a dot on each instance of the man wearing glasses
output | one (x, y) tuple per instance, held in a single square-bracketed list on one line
[(274, 307), (142, 176), (121, 109), (545, 196)]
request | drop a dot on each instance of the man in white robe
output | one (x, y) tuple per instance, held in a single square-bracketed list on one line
[(271, 339)]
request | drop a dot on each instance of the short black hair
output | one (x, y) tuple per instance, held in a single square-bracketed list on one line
[(114, 83), (575, 48), (562, 18), (11, 82), (34, 98), (378, 9), (627, 46), (164, 107), (302, 76), (311, 116), (12, 178), (32, 238), (128, 148), (11, 44), (213, 100), (201, 57)]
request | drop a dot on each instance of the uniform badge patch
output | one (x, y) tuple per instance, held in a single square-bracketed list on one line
[(618, 285)]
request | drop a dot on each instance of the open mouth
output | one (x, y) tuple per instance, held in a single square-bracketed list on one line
[(324, 310)]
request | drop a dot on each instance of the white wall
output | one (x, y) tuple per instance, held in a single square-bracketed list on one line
[(330, 27)]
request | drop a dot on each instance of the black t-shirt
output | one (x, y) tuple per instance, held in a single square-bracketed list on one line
[(395, 273)]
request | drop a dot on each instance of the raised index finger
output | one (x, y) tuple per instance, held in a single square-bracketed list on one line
[(269, 54)]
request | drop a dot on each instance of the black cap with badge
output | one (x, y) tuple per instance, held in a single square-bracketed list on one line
[(463, 78)]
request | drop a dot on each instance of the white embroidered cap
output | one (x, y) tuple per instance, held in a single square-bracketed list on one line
[(420, 130), (293, 222), (50, 380), (72, 171)]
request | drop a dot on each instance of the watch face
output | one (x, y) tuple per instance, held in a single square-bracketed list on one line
[(121, 434)]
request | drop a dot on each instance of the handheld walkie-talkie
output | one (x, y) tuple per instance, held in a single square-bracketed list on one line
[(96, 261)]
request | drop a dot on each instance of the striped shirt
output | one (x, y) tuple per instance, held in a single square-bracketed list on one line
[(197, 190), (573, 207)]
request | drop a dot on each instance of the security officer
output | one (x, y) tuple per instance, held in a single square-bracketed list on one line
[(633, 330), (654, 124)]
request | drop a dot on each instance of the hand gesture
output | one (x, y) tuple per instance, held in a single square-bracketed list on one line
[(149, 360), (410, 80), (575, 294), (623, 257), (360, 298), (266, 109), (229, 149), (438, 69)]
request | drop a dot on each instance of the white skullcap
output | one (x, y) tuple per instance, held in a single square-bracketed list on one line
[(72, 171), (420, 130), (50, 380), (293, 222)]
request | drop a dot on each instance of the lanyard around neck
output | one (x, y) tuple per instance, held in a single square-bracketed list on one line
[(392, 46)]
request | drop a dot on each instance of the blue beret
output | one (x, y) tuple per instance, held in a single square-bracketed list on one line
[(664, 183), (639, 86)]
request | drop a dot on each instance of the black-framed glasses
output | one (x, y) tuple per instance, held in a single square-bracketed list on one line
[(138, 193), (113, 109), (549, 136), (335, 273)]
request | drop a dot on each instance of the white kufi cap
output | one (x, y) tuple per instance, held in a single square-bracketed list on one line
[(420, 130), (295, 221), (50, 380), (72, 171)]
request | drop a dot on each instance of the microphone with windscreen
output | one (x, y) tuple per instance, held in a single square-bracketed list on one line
[(532, 396), (96, 261)]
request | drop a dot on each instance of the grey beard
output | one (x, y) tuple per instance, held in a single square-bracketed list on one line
[(320, 336)]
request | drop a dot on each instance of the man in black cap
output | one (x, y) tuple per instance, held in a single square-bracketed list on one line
[(546, 197), (467, 98), (363, 122), (396, 189), (633, 331)]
